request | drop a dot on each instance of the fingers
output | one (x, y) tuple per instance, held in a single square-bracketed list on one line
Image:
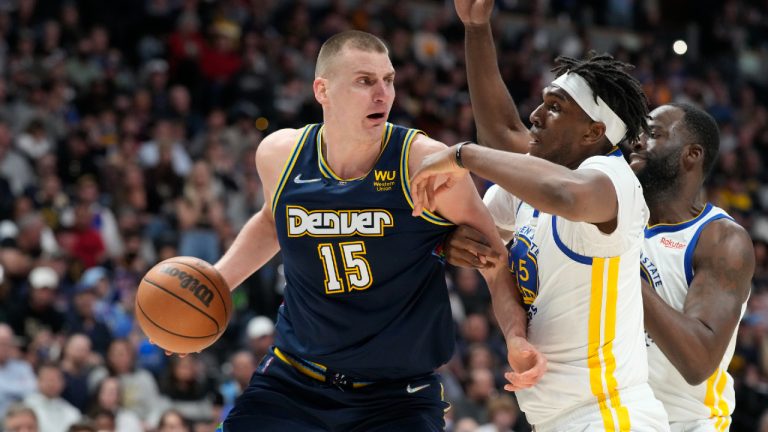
[(423, 193), (430, 191), (516, 382), (169, 353), (472, 240), (417, 194), (528, 368), (465, 258)]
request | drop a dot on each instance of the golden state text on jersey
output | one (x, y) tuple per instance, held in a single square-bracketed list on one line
[(523, 263), (364, 292)]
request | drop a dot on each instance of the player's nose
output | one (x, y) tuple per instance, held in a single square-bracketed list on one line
[(380, 92), (641, 143), (535, 116)]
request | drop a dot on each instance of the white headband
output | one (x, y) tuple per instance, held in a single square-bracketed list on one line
[(582, 93)]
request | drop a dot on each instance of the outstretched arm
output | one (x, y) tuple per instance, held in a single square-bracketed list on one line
[(463, 206), (583, 195), (695, 339), (496, 116)]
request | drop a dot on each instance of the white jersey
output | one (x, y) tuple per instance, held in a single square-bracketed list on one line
[(585, 309), (667, 264)]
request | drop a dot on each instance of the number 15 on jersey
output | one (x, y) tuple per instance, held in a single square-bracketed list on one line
[(356, 268)]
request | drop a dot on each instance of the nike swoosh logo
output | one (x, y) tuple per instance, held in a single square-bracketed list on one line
[(410, 389), (299, 180)]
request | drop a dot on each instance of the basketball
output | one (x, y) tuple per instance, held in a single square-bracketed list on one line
[(183, 304)]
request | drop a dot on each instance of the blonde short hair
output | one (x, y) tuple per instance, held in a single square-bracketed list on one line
[(354, 39)]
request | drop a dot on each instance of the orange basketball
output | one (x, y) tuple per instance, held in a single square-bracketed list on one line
[(183, 304)]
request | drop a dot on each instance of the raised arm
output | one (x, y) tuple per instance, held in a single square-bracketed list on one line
[(256, 243), (695, 339), (496, 116)]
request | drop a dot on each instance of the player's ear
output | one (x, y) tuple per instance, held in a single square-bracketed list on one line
[(320, 88), (595, 133), (693, 155)]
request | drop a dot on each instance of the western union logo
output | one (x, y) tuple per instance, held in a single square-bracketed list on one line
[(337, 223), (384, 181), (382, 176)]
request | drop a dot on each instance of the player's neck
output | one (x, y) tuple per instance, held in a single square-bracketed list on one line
[(349, 155), (676, 205)]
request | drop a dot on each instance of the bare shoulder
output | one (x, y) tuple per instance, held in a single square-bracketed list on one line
[(726, 237), (421, 147), (426, 145), (726, 254), (274, 150), (278, 143)]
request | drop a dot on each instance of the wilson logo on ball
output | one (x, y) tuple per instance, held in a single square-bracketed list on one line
[(191, 283)]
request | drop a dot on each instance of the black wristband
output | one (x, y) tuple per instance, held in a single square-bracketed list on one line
[(458, 153)]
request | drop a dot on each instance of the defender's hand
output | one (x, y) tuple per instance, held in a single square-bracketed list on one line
[(423, 189), (467, 247), (528, 364), (474, 12)]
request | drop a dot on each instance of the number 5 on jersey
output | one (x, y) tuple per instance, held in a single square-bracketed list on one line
[(356, 267)]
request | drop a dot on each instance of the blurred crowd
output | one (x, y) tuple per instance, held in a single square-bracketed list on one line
[(127, 136)]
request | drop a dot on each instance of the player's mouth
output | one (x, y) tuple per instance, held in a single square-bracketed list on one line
[(534, 137), (637, 161), (377, 116)]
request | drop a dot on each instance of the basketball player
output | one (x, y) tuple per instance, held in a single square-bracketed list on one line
[(578, 215), (698, 263), (698, 260), (366, 317)]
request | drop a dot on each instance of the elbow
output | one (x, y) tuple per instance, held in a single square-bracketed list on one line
[(694, 378), (563, 198), (696, 373)]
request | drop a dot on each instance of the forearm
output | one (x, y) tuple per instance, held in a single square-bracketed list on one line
[(496, 117), (253, 247), (505, 299), (682, 339), (539, 183)]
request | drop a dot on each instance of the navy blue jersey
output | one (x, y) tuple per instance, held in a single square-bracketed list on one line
[(364, 293)]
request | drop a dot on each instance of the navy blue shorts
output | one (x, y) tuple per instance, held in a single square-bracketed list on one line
[(281, 398)]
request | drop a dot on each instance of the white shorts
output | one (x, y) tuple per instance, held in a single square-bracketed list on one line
[(646, 414), (715, 424)]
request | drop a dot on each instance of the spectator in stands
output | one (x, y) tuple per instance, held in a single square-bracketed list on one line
[(201, 214), (77, 363), (17, 380), (14, 167), (173, 421), (187, 387), (20, 418), (503, 413), (139, 388), (108, 398), (54, 414), (243, 365), (38, 311), (480, 389), (83, 318), (260, 336)]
